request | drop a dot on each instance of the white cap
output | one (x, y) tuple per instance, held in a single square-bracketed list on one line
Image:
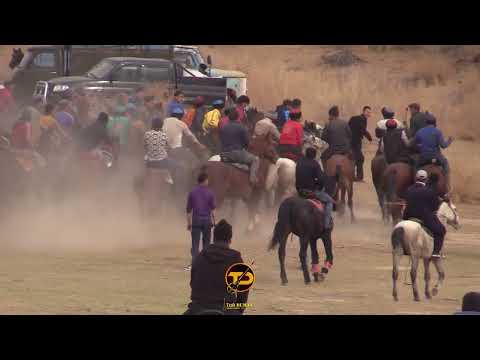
[(421, 175)]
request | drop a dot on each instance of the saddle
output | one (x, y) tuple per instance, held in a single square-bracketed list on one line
[(224, 158), (420, 222)]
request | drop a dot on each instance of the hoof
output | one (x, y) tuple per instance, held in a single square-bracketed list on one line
[(435, 292), (428, 296), (307, 282), (395, 298), (284, 283)]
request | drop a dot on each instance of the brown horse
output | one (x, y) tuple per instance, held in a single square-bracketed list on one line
[(152, 190), (228, 181), (341, 168), (396, 179), (378, 166), (442, 181)]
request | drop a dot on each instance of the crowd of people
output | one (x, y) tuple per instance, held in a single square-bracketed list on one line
[(221, 128)]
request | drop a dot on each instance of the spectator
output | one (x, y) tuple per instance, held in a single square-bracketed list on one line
[(200, 215), (283, 114), (242, 104), (358, 127), (209, 290)]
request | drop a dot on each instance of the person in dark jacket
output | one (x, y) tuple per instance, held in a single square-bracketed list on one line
[(470, 304), (234, 140), (395, 144), (358, 126), (209, 288), (310, 180), (283, 114), (422, 204), (417, 120), (95, 134), (337, 135)]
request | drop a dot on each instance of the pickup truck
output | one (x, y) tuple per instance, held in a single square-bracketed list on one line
[(125, 74), (45, 62)]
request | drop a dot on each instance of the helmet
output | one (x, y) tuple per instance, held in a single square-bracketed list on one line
[(177, 110), (218, 102), (387, 112), (430, 119), (421, 175), (391, 124)]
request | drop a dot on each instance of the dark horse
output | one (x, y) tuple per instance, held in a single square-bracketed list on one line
[(17, 56), (396, 179), (441, 185), (228, 181), (378, 166), (341, 168), (302, 218)]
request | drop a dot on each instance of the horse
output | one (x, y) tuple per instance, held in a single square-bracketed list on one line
[(280, 183), (377, 167), (16, 59), (302, 218), (408, 237), (228, 181), (442, 187), (152, 189), (395, 180), (341, 168)]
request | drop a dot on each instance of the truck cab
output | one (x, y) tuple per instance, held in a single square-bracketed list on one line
[(125, 74), (45, 62)]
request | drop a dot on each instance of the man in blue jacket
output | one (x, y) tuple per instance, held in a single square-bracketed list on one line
[(422, 204), (428, 142)]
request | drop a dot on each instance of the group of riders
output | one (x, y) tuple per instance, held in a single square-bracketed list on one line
[(224, 128)]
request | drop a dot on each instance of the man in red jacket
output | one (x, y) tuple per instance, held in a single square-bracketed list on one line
[(291, 139)]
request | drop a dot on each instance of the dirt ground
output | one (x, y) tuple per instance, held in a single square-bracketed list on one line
[(87, 258)]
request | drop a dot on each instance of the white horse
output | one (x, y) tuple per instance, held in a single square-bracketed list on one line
[(280, 182), (409, 236)]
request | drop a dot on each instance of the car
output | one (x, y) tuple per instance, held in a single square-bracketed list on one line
[(126, 74)]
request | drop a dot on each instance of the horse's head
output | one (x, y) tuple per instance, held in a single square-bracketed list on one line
[(448, 212), (17, 56)]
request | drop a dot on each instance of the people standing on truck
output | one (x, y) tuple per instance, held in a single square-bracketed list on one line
[(64, 116), (283, 112), (200, 111), (358, 126), (210, 126), (52, 134), (7, 106), (242, 104), (176, 102), (82, 108), (231, 98), (34, 113), (119, 127)]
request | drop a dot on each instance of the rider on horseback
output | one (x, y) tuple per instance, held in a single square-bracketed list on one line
[(234, 139), (337, 135), (395, 144), (310, 182), (422, 204), (291, 139), (176, 130), (381, 127), (428, 141)]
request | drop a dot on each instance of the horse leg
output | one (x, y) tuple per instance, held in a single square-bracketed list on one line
[(315, 260), (350, 201), (413, 276), (281, 258), (304, 241), (327, 244), (426, 264), (441, 276), (397, 254)]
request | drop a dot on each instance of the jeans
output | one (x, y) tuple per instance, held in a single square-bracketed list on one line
[(204, 230), (328, 201), (161, 164), (244, 157)]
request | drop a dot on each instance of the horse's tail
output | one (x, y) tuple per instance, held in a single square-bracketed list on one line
[(398, 236), (283, 222)]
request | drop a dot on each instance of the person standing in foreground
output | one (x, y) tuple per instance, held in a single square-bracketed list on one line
[(200, 214), (209, 290), (358, 126)]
